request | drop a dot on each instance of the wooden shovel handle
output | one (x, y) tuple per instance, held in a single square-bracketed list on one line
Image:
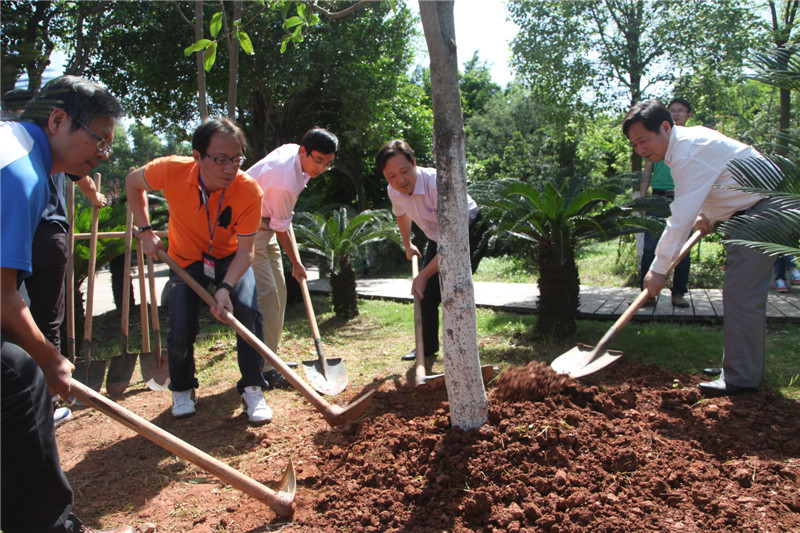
[(312, 319), (70, 275), (419, 346), (126, 276), (281, 503), (143, 299), (87, 329)]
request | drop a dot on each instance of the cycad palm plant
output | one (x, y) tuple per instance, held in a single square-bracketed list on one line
[(555, 214), (777, 230), (337, 236)]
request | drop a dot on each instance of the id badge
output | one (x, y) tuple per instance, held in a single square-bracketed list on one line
[(209, 266)]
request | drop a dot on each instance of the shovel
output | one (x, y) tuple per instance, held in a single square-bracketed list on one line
[(70, 275), (120, 368), (92, 372), (333, 414), (160, 379), (154, 377), (422, 381), (584, 360), (327, 376), (281, 502)]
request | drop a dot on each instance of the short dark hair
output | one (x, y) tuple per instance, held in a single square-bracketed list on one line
[(202, 135), (683, 101), (83, 100), (15, 100), (651, 113), (391, 149), (320, 140)]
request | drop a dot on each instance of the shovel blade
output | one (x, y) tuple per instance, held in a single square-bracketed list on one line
[(581, 361), (120, 372), (327, 376), (94, 377), (154, 374)]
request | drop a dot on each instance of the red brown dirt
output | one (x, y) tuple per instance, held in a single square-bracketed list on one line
[(633, 448)]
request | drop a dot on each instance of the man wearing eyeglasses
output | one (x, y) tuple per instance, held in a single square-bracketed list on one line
[(214, 213), (54, 137), (283, 174)]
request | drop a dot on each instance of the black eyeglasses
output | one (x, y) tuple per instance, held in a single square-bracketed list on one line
[(222, 160), (103, 146), (326, 166)]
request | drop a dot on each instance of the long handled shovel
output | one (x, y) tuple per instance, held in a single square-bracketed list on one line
[(327, 376), (281, 502), (583, 360), (120, 368), (422, 381), (93, 372), (155, 378), (70, 281), (333, 414)]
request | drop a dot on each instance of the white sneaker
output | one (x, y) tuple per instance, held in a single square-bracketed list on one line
[(255, 405), (61, 415), (795, 276), (781, 285), (183, 403)]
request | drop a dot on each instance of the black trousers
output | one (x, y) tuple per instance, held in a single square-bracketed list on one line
[(36, 495), (432, 295), (46, 285)]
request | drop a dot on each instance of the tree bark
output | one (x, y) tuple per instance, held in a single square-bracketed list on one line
[(202, 104), (465, 391)]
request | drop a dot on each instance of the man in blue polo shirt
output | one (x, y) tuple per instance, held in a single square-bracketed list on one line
[(70, 130)]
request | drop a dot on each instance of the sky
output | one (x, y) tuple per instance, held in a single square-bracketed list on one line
[(481, 25)]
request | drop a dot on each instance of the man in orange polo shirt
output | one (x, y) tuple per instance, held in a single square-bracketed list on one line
[(214, 215)]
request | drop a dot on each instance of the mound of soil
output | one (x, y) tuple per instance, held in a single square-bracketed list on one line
[(642, 452)]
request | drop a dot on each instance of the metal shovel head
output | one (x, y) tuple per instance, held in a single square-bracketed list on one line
[(579, 361), (330, 380), (120, 373), (154, 374), (94, 377)]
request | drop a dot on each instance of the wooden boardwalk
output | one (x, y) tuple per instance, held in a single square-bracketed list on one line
[(599, 303)]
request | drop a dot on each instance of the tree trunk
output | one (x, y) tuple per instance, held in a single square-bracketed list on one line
[(233, 59), (468, 402), (202, 105), (559, 288), (343, 291)]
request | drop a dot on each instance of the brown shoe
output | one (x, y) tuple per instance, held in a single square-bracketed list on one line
[(679, 301)]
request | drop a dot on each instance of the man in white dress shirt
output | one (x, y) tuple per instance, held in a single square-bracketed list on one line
[(283, 174), (698, 158)]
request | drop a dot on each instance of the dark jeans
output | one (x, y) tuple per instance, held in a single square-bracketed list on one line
[(782, 264), (680, 278), (432, 296), (36, 495), (184, 305), (46, 285)]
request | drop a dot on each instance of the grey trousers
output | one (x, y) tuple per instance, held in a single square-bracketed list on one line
[(748, 276)]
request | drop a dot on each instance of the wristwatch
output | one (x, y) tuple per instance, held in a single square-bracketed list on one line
[(144, 228), (224, 285)]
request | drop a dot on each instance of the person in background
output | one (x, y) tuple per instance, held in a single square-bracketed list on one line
[(658, 175), (282, 175), (782, 264), (214, 212), (414, 196), (698, 158), (67, 127)]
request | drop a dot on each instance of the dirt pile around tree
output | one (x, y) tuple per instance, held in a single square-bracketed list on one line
[(647, 453)]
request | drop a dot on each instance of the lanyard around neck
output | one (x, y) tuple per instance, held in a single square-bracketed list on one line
[(211, 229)]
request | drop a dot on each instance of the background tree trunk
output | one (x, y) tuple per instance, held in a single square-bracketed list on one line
[(468, 402), (558, 308)]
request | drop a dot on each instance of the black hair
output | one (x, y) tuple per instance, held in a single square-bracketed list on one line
[(391, 149), (683, 101), (320, 140), (651, 113), (83, 100), (202, 135)]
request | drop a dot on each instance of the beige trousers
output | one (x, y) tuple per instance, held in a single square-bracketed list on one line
[(270, 284)]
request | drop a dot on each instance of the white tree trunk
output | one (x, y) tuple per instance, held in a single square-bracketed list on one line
[(468, 402)]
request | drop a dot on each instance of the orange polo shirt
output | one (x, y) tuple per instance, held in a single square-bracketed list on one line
[(189, 235)]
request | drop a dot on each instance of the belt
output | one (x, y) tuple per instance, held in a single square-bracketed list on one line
[(669, 193)]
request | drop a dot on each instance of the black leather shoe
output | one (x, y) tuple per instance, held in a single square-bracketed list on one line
[(276, 381), (410, 356), (711, 371), (719, 388)]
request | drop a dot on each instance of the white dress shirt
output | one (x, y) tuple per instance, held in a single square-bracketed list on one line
[(698, 159), (282, 179), (420, 206)]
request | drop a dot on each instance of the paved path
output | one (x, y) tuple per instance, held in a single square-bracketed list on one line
[(601, 303)]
